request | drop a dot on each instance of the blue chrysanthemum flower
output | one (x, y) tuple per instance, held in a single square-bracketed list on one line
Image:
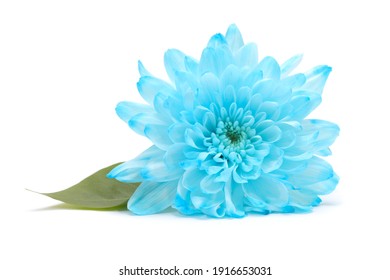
[(229, 134)]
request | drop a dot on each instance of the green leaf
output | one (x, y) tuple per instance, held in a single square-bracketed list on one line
[(97, 191)]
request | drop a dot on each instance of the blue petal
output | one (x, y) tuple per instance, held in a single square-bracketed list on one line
[(273, 160), (318, 177), (192, 65), (152, 197), (322, 134), (254, 76), (288, 137), (210, 89), (174, 60), (303, 201), (272, 90), (208, 62), (231, 76), (302, 104), (158, 134), (267, 190), (234, 200), (209, 204), (234, 38), (324, 187), (130, 171), (176, 132), (270, 68), (271, 133), (209, 185), (328, 129), (149, 86), (194, 138), (316, 78), (175, 155), (294, 81), (192, 178), (139, 121), (127, 110), (247, 56), (142, 70), (156, 170), (217, 41), (290, 64)]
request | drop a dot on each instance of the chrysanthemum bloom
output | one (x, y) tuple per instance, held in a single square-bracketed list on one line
[(229, 134)]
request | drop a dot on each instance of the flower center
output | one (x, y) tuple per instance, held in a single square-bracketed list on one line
[(234, 134), (231, 135)]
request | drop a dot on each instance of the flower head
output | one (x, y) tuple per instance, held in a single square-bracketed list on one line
[(229, 134)]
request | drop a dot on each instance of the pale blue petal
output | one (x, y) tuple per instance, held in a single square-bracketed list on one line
[(291, 64), (192, 65), (231, 76), (176, 132), (139, 121), (194, 138), (243, 96), (247, 56), (270, 68), (234, 38), (208, 62), (174, 62), (329, 129), (303, 201), (288, 137), (142, 70), (267, 190), (217, 41), (186, 82), (158, 134), (185, 206), (209, 185), (234, 200), (130, 171), (127, 110), (273, 160), (271, 109), (156, 170), (303, 103), (294, 81), (209, 204), (152, 197), (162, 106), (316, 78), (210, 89), (175, 155), (254, 76), (323, 187), (148, 87), (272, 90), (318, 177), (316, 135), (289, 166), (271, 134), (192, 178)]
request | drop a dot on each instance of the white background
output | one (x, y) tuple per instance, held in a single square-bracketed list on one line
[(65, 64)]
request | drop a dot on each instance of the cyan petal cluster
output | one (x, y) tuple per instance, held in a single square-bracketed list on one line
[(229, 133)]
